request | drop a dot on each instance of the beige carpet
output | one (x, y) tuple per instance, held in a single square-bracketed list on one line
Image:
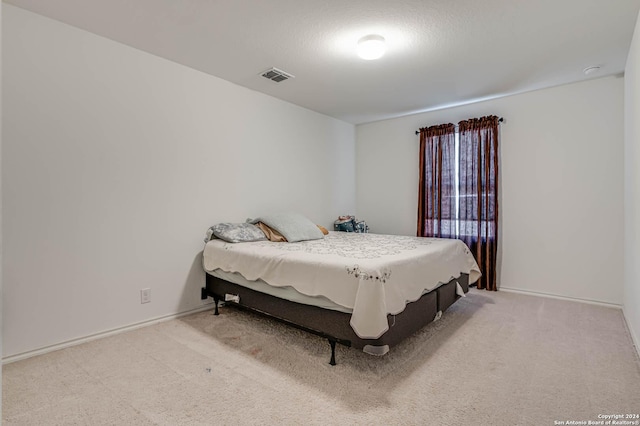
[(493, 359)]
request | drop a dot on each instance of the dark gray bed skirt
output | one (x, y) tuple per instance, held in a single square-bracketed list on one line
[(334, 325)]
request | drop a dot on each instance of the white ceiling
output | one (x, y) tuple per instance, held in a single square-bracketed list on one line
[(440, 52)]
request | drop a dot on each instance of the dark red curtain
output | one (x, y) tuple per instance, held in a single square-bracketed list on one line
[(478, 193), (436, 198)]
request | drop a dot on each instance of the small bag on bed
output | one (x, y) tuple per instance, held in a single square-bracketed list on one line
[(350, 224)]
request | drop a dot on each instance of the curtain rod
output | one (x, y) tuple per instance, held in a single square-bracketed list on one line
[(500, 120)]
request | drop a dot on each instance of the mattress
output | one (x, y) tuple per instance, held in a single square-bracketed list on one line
[(373, 275)]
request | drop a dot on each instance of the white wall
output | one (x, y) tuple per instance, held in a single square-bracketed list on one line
[(1, 292), (632, 188), (115, 163), (562, 185)]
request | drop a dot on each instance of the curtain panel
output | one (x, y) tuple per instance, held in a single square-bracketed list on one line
[(478, 193), (458, 194), (436, 199)]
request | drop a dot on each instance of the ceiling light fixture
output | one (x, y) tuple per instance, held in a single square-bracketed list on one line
[(371, 46)]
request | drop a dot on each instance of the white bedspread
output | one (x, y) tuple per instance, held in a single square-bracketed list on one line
[(372, 274)]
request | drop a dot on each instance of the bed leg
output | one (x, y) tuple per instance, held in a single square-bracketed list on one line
[(216, 299), (333, 351)]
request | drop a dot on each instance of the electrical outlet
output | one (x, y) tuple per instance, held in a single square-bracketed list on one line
[(145, 295)]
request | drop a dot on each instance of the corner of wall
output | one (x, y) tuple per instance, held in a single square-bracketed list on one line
[(631, 295), (1, 298), (635, 338)]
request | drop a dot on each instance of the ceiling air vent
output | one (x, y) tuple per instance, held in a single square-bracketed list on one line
[(276, 75)]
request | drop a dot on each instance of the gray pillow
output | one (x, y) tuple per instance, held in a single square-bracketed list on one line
[(293, 226), (237, 232)]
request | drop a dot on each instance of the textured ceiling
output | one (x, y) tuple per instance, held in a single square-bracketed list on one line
[(440, 52)]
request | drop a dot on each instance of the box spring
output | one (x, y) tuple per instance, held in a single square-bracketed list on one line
[(334, 325)]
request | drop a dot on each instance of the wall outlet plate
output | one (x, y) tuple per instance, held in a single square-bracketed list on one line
[(145, 295)]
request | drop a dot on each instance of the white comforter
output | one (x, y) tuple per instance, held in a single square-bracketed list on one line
[(372, 274)]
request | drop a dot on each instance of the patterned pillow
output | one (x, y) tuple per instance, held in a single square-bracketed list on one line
[(237, 232)]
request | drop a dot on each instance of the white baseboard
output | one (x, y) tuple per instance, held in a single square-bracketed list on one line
[(80, 340), (556, 296), (634, 337)]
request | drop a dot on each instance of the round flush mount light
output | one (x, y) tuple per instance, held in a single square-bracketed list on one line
[(371, 47)]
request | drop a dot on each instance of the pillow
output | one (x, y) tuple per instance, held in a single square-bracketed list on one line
[(293, 226), (237, 232), (272, 234)]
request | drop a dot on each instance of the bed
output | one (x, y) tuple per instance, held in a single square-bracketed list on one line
[(367, 291)]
